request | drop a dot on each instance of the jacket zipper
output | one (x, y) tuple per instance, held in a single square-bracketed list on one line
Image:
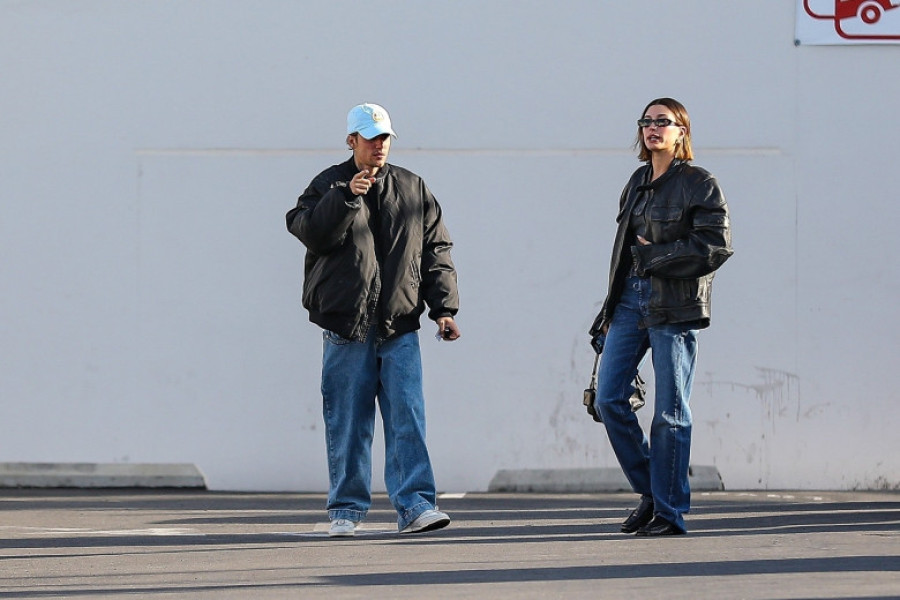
[(371, 305)]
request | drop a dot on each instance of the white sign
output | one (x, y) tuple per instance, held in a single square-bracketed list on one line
[(848, 22)]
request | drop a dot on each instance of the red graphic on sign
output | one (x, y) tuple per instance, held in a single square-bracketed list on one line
[(869, 12)]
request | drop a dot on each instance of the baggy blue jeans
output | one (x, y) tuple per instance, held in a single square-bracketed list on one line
[(657, 467), (354, 374)]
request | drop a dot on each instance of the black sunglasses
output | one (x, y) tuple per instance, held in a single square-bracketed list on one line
[(645, 122)]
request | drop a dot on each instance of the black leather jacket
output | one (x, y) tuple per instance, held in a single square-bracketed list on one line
[(376, 259), (686, 220)]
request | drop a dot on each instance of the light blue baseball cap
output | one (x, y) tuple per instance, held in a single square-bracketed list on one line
[(369, 121)]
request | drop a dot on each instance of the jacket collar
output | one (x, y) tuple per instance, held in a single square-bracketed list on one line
[(646, 184)]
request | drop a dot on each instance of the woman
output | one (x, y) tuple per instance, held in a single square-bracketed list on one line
[(673, 234)]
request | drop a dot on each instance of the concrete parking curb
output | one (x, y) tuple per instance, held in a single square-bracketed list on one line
[(100, 475), (702, 478)]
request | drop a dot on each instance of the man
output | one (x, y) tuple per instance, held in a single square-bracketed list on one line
[(377, 253)]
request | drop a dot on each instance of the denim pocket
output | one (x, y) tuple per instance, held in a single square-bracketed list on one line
[(333, 338)]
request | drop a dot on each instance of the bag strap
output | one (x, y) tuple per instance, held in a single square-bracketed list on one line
[(593, 385)]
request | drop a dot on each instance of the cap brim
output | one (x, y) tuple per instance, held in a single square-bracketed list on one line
[(373, 131)]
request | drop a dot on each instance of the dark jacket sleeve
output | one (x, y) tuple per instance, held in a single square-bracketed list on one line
[(323, 214), (439, 285), (703, 248)]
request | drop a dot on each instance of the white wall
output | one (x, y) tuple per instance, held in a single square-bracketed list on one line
[(150, 292)]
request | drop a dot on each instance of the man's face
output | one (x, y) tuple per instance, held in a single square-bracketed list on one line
[(370, 154)]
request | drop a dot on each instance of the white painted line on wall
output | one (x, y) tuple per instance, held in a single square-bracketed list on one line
[(526, 152)]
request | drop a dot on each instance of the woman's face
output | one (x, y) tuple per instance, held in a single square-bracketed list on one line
[(661, 138)]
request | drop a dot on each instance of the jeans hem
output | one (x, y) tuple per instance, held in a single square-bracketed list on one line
[(351, 515), (411, 514)]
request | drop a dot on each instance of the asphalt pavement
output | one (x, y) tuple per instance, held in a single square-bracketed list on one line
[(196, 544)]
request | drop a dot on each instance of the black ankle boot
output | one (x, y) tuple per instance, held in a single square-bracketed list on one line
[(640, 516)]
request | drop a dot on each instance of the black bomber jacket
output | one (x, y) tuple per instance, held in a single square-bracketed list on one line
[(689, 232), (377, 259)]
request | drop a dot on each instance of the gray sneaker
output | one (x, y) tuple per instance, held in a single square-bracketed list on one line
[(342, 528), (427, 521)]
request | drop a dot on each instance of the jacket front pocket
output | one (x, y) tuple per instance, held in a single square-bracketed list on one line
[(666, 214)]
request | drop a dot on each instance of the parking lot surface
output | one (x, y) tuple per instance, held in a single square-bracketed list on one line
[(198, 544)]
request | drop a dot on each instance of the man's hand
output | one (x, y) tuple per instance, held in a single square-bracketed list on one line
[(361, 183), (447, 329)]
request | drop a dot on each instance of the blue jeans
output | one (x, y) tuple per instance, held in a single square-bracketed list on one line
[(354, 374), (657, 468)]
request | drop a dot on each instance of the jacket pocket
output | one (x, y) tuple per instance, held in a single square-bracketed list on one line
[(415, 271), (677, 293), (666, 214)]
